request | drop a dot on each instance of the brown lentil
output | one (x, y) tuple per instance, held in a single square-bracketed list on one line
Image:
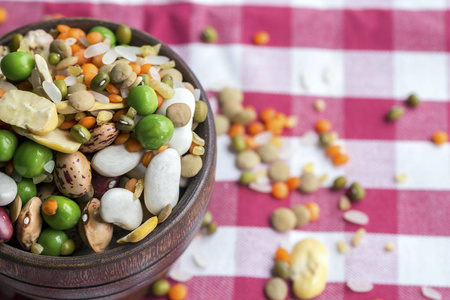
[(302, 214), (279, 171), (247, 159), (283, 219), (309, 183), (268, 153)]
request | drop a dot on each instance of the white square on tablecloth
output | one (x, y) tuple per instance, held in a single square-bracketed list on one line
[(423, 260), (216, 66), (226, 169), (313, 65), (426, 165), (420, 4), (265, 69), (422, 73), (318, 4)]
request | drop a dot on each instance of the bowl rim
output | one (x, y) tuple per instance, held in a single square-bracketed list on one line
[(185, 202)]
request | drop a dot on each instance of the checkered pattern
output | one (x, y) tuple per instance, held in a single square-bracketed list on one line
[(378, 52)]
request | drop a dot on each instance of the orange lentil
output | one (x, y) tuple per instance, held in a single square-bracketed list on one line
[(81, 59), (133, 145), (177, 292), (60, 76), (115, 98), (122, 138), (135, 67), (62, 28), (440, 137), (89, 67), (88, 122), (147, 158), (95, 37), (275, 126), (112, 89), (2, 92), (314, 210), (280, 190), (63, 35), (67, 124), (160, 99), (97, 60), (162, 148), (50, 207), (282, 254), (3, 15), (323, 125), (75, 47), (293, 183), (340, 159), (236, 129), (131, 184), (88, 78), (256, 127), (261, 38), (250, 142), (332, 150), (145, 68), (119, 113), (76, 33), (267, 114)]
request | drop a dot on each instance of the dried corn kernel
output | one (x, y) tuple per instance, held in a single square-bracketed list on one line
[(139, 188), (197, 140), (359, 234), (308, 168), (343, 247), (198, 150), (389, 246)]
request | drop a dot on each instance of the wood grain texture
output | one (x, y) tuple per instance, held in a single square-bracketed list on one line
[(124, 271)]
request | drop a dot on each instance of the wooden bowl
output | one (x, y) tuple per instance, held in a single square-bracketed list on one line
[(121, 271)]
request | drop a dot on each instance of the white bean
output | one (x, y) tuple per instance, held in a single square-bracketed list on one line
[(115, 160), (8, 189), (118, 207)]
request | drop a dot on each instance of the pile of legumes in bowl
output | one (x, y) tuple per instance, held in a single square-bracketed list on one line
[(105, 140)]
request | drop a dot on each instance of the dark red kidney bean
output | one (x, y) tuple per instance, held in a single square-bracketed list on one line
[(102, 184)]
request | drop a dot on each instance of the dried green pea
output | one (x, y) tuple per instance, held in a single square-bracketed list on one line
[(394, 113), (209, 34), (281, 269), (325, 139), (54, 58), (80, 133), (15, 42), (99, 82), (339, 183), (67, 247), (247, 177), (238, 142), (356, 192), (207, 219), (413, 100), (167, 79), (212, 228), (125, 123), (160, 288), (145, 79), (62, 86), (201, 111)]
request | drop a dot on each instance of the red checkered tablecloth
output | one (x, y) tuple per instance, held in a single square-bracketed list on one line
[(361, 57)]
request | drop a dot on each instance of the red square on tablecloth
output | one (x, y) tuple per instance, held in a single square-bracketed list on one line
[(368, 29), (317, 28), (276, 21), (224, 19), (426, 35), (169, 23)]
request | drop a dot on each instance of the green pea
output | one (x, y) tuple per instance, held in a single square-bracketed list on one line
[(123, 34), (52, 240), (26, 189), (325, 139), (54, 58), (125, 123), (66, 216), (339, 183), (30, 158), (15, 42), (8, 145), (143, 98), (281, 269), (17, 66), (207, 219), (394, 113), (36, 248), (238, 142), (201, 111), (62, 86), (209, 34), (80, 133), (413, 100), (145, 79), (212, 228), (160, 288), (356, 192), (99, 82), (167, 79), (106, 32), (247, 177), (154, 131), (68, 247)]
